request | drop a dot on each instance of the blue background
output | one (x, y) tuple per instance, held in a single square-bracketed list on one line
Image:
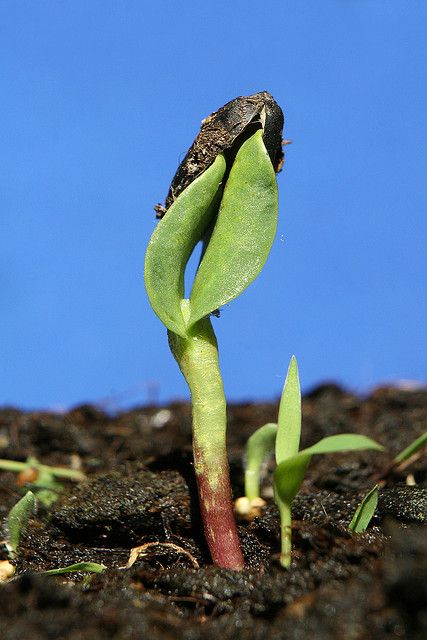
[(99, 102)]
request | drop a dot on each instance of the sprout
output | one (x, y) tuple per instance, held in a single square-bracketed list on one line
[(225, 195), (364, 512), (410, 450), (87, 567), (41, 478), (292, 463), (366, 509), (18, 519)]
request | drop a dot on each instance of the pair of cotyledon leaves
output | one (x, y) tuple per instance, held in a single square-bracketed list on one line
[(243, 214)]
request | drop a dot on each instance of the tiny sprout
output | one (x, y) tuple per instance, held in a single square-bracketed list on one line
[(17, 521), (366, 509), (87, 567), (292, 463), (364, 512), (411, 449), (41, 478), (224, 195)]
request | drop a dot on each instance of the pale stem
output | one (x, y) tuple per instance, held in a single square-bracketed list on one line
[(286, 534), (197, 356)]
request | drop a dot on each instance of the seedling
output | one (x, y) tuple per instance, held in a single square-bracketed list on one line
[(409, 452), (291, 463), (17, 521), (86, 567), (41, 478), (364, 512), (366, 509), (224, 194)]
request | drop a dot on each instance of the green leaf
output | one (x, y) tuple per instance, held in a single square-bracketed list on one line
[(18, 518), (31, 462), (12, 465), (67, 474), (343, 442), (364, 512), (91, 567), (289, 421), (45, 487), (411, 449), (173, 241), (259, 446), (244, 231), (289, 475)]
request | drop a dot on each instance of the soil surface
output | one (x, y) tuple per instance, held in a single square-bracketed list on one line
[(140, 489)]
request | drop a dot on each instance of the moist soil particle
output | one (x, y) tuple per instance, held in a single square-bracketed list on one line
[(140, 489)]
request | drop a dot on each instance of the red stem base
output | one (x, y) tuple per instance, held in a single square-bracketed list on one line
[(219, 524)]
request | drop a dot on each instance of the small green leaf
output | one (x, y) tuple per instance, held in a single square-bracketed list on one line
[(18, 518), (259, 446), (289, 421), (411, 449), (12, 465), (67, 474), (289, 475), (31, 462), (364, 512), (90, 567), (244, 231), (343, 442), (173, 241)]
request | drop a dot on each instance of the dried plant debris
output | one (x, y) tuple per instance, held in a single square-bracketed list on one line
[(223, 132)]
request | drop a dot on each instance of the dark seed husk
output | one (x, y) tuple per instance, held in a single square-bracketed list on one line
[(223, 132)]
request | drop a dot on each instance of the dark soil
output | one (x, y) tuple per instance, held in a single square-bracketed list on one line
[(140, 489)]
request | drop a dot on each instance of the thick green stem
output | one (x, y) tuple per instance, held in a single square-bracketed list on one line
[(197, 357)]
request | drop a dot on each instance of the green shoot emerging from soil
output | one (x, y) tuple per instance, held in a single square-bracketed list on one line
[(366, 509), (17, 520), (87, 567), (231, 206), (41, 478), (291, 463), (364, 512)]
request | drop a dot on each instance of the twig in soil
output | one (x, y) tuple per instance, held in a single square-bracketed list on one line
[(145, 549)]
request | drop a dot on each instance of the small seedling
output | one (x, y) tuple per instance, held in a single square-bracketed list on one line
[(410, 450), (292, 463), (41, 478), (87, 567), (364, 512), (17, 521), (366, 509), (224, 194)]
